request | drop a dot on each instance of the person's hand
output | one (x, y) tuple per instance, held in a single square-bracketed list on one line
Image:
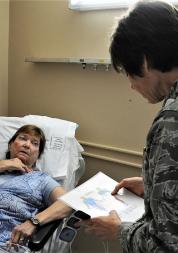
[(21, 233), (133, 184), (105, 227), (17, 164)]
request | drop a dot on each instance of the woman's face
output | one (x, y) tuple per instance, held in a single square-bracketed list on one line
[(26, 148)]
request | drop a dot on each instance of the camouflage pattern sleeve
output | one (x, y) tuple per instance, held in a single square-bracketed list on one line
[(157, 231)]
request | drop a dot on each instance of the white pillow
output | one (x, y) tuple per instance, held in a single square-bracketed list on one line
[(62, 151)]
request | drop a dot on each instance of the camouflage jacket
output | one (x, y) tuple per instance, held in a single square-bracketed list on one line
[(157, 230)]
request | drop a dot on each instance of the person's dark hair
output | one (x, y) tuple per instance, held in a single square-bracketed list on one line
[(149, 31), (29, 129)]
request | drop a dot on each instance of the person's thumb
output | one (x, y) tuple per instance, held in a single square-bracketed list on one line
[(113, 213)]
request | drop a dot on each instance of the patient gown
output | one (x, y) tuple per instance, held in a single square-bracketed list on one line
[(21, 197)]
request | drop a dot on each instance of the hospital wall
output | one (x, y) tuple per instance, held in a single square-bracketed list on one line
[(113, 119), (4, 42)]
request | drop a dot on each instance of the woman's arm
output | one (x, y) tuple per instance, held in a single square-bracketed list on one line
[(57, 210)]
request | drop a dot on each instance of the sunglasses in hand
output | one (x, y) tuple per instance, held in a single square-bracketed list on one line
[(69, 231)]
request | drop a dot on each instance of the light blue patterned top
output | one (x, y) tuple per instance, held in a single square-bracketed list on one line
[(21, 197)]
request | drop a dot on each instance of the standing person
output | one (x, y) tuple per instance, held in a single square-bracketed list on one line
[(145, 48), (28, 198)]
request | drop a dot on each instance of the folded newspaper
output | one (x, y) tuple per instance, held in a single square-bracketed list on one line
[(94, 198)]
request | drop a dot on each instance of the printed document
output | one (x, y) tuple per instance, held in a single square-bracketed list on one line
[(94, 198)]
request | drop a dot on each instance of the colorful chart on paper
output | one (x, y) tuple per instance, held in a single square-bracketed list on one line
[(94, 198)]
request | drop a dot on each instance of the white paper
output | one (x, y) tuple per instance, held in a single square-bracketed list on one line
[(94, 198)]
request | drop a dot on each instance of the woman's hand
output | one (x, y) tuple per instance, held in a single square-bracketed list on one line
[(14, 164), (21, 233), (133, 184), (105, 227)]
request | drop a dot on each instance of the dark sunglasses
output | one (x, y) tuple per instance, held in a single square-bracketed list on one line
[(69, 231)]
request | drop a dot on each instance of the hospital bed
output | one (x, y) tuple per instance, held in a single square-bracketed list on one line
[(61, 159)]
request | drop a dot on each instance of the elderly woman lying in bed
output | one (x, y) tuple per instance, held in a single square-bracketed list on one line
[(28, 198)]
